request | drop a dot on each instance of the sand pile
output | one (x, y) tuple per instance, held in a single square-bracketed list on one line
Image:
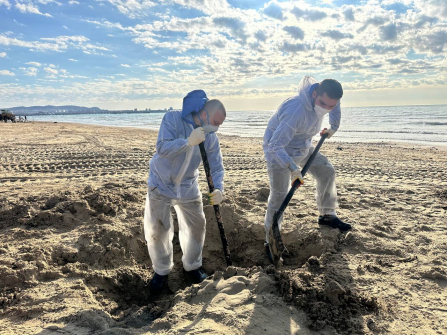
[(77, 261)]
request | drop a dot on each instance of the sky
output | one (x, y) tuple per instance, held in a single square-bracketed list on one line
[(250, 54)]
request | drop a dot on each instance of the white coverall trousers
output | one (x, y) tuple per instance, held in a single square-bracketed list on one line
[(159, 231), (326, 192)]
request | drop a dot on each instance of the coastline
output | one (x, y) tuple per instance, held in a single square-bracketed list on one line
[(333, 140)]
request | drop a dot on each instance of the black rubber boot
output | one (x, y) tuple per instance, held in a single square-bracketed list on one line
[(157, 282), (333, 222), (196, 276)]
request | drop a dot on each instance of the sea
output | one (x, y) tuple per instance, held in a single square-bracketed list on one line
[(410, 124)]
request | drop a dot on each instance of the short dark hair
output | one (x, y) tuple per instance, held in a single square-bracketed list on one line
[(331, 87), (213, 106)]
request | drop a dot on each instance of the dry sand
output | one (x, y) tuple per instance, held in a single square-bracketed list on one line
[(73, 259)]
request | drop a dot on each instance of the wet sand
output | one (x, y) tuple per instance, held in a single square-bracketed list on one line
[(73, 259)]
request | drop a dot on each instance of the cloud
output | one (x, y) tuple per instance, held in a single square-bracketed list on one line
[(308, 14), (107, 24), (274, 11), (337, 35), (342, 59), (425, 19), (349, 14), (239, 52), (434, 42), (395, 61), (7, 73), (261, 36), (2, 54), (219, 44), (382, 49), (375, 21), (388, 32), (363, 50), (294, 47), (51, 69), (45, 2), (296, 32), (65, 39), (58, 44), (235, 26), (132, 8), (436, 8), (34, 64), (5, 3), (30, 71), (73, 2), (30, 8), (34, 45), (209, 7)]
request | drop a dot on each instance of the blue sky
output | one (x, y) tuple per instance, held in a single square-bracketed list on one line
[(251, 54)]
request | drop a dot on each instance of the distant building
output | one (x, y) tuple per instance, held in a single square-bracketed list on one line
[(135, 110), (170, 108)]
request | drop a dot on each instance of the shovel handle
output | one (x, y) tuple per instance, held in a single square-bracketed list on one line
[(209, 179)]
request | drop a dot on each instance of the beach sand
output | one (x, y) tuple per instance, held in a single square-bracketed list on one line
[(73, 259)]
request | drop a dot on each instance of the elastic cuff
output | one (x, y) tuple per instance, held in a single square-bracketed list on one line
[(219, 188), (162, 273), (328, 212), (192, 267), (292, 166)]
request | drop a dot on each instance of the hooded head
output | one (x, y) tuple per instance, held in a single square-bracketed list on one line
[(212, 115), (304, 88), (193, 102), (321, 97), (328, 94), (207, 113)]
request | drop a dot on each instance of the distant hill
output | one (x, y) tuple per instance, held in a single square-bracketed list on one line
[(68, 109), (32, 110)]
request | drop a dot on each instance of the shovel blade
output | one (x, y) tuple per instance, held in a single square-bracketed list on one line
[(276, 245)]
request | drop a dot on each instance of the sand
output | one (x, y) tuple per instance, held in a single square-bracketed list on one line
[(73, 259)]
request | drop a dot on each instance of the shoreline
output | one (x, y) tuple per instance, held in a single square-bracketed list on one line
[(335, 140)]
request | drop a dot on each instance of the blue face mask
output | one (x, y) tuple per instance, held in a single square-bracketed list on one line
[(207, 128)]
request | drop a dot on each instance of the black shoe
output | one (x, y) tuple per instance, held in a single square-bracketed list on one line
[(333, 222), (267, 251), (157, 282), (197, 276)]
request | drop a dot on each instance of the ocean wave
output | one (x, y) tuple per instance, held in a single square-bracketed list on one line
[(436, 123), (391, 132)]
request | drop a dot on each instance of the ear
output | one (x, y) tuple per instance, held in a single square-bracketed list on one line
[(314, 94)]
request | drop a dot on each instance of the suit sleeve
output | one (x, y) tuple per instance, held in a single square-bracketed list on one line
[(168, 143), (282, 136), (335, 117)]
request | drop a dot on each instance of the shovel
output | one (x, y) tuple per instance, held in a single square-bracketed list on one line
[(209, 179), (276, 244)]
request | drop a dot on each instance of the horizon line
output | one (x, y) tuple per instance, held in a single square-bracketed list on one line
[(243, 110)]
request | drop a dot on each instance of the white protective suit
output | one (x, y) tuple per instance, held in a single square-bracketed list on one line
[(173, 182), (287, 145)]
